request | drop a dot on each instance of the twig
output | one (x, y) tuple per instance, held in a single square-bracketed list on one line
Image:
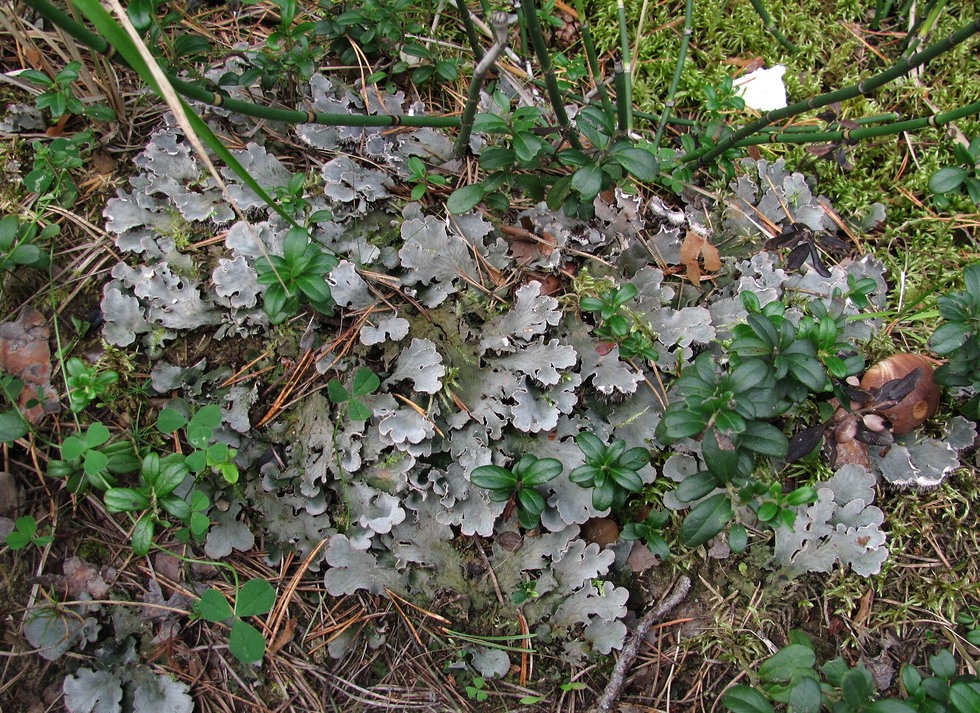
[(499, 22), (618, 678)]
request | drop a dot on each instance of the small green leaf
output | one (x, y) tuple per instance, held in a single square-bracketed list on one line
[(97, 435), (255, 597), (493, 477), (246, 642), (720, 455), (365, 382), (590, 444), (627, 479), (213, 606), (965, 697), (738, 538), (465, 199), (170, 420), (856, 687), (587, 182), (125, 500), (948, 179), (680, 422), (531, 501), (527, 146), (943, 665), (13, 426), (781, 666), (805, 696), (357, 411), (143, 535), (744, 699), (336, 392), (765, 439), (603, 494), (95, 462), (706, 520), (542, 471), (695, 487), (638, 162)]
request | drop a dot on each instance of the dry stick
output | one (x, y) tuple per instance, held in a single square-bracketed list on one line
[(618, 678)]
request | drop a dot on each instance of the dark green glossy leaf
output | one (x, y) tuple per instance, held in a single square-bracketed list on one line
[(639, 163), (738, 538), (142, 538), (706, 520), (764, 438), (587, 182), (126, 500), (584, 475), (626, 478), (695, 487), (593, 448), (744, 699), (603, 495), (679, 423), (465, 199), (531, 500), (493, 477), (965, 697), (542, 470), (720, 455)]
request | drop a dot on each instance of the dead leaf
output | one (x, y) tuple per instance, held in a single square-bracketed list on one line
[(864, 611), (641, 558), (103, 163), (82, 577), (284, 637), (25, 355), (696, 245)]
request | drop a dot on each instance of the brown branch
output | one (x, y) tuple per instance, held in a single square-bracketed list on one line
[(618, 678)]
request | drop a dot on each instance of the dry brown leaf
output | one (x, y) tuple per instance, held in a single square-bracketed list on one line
[(693, 247), (25, 355)]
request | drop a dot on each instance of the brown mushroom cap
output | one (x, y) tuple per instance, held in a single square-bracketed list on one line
[(912, 411)]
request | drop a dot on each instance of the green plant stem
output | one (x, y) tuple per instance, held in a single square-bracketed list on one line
[(192, 91), (853, 135), (863, 121), (620, 83), (678, 69), (624, 91), (593, 59), (922, 27), (868, 86), (464, 15), (499, 23), (522, 28), (770, 26), (529, 11)]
